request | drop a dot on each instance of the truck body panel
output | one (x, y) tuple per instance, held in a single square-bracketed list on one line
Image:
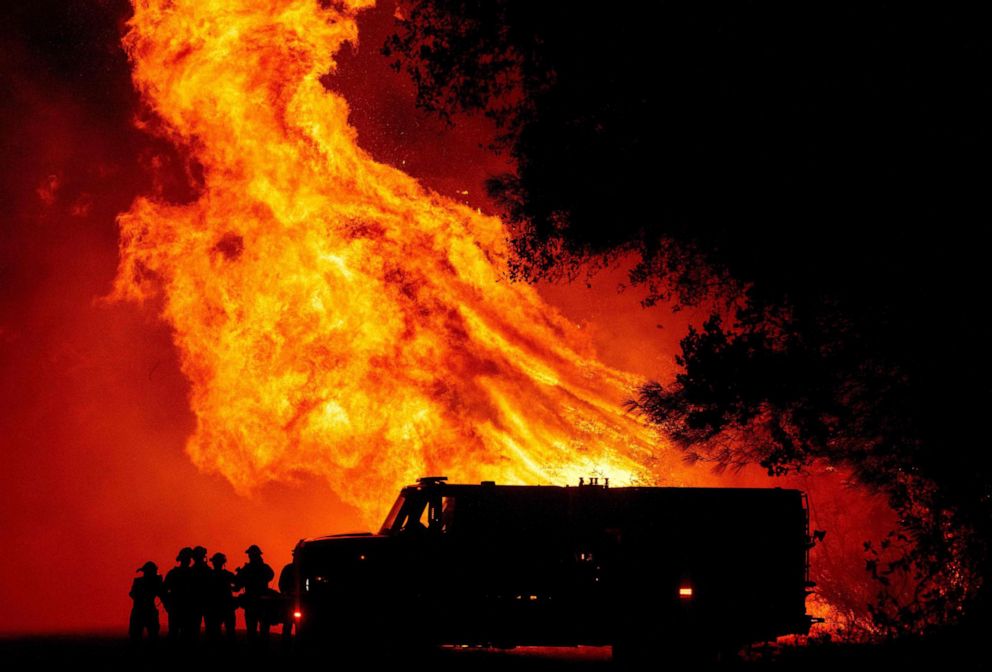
[(541, 565)]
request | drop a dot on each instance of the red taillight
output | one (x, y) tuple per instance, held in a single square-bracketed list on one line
[(685, 592), (297, 615)]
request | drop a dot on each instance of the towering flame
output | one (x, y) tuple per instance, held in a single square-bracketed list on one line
[(332, 315)]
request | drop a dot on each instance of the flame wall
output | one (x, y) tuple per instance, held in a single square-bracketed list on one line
[(332, 315)]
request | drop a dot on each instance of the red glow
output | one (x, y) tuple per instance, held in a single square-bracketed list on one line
[(297, 615)]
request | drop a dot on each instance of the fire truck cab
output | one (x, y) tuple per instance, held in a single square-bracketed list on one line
[(633, 567)]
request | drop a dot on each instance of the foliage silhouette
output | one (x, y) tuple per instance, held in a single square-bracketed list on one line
[(815, 177)]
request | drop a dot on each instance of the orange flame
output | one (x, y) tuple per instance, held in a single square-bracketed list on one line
[(331, 314)]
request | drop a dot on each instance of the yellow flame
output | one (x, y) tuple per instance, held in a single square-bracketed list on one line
[(332, 315)]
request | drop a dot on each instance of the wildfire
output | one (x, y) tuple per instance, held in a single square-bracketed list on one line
[(331, 314)]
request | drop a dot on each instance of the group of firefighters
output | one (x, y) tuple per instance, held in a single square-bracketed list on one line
[(196, 595)]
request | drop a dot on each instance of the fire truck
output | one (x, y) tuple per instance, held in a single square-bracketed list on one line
[(639, 568)]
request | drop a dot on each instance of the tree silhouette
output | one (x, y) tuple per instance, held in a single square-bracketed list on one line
[(816, 177)]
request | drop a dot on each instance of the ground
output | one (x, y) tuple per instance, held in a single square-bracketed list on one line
[(112, 652)]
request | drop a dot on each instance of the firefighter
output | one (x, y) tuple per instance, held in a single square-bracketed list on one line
[(144, 613), (254, 576), (199, 584), (177, 595), (220, 603)]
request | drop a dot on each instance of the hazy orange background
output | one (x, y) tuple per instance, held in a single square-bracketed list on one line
[(94, 413)]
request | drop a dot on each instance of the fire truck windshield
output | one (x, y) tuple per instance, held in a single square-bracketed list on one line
[(394, 513), (414, 512)]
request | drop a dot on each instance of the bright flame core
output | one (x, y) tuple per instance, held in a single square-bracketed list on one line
[(333, 316)]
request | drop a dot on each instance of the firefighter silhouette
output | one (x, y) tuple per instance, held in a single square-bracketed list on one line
[(144, 613), (199, 574), (177, 595), (220, 602), (254, 576), (287, 588)]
